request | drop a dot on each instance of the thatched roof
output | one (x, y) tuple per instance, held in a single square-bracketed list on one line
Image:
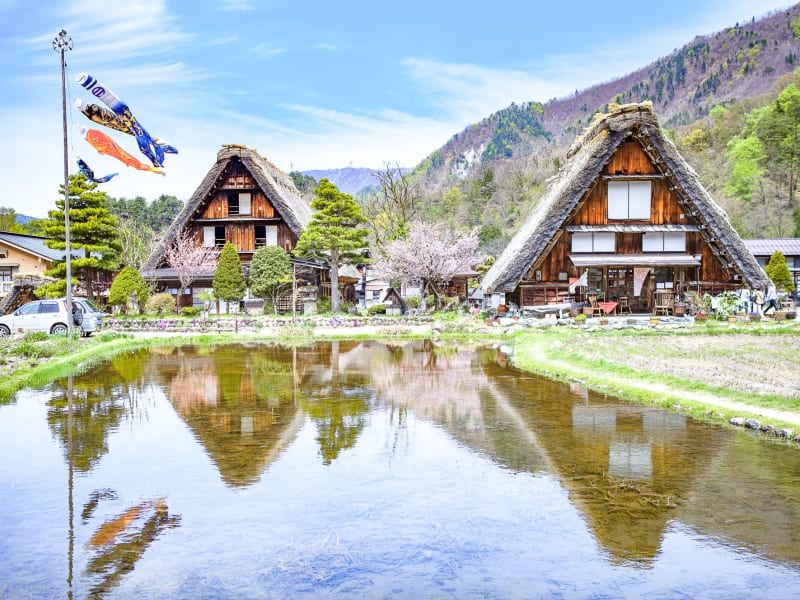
[(585, 161), (276, 185)]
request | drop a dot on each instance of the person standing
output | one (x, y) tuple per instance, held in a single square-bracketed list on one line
[(759, 302), (772, 298), (744, 301)]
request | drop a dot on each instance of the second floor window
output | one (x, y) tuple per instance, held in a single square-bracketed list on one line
[(239, 203), (629, 200), (668, 241), (593, 242)]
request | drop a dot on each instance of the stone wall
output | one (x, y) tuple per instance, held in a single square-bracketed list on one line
[(249, 323)]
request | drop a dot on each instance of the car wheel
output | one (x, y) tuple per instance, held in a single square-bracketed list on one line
[(77, 317), (59, 329), (4, 331)]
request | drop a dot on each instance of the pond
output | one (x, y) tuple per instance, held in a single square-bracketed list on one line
[(371, 470)]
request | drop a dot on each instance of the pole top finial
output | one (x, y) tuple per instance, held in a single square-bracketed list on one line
[(62, 41)]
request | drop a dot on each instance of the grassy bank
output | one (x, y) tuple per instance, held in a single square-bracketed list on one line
[(712, 373)]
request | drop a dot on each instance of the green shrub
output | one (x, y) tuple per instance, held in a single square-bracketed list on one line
[(190, 311), (324, 304), (128, 287), (377, 309), (160, 304), (33, 349), (36, 336), (412, 302)]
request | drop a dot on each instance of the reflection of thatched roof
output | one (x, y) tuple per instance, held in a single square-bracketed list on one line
[(585, 161), (238, 402), (274, 183), (624, 466)]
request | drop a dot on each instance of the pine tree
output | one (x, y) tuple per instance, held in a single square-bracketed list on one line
[(229, 283), (93, 236), (333, 235), (778, 272)]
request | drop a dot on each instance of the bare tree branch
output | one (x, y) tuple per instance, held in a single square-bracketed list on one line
[(390, 210)]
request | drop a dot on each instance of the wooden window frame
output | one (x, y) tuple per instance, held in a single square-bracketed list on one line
[(657, 241), (626, 202), (597, 239)]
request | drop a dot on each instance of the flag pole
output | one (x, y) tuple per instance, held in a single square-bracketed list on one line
[(61, 44)]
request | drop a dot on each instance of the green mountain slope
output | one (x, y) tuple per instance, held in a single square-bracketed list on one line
[(490, 174)]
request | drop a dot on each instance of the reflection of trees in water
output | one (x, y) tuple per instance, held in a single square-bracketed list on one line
[(100, 401), (119, 543), (337, 399), (445, 385), (436, 383), (339, 423)]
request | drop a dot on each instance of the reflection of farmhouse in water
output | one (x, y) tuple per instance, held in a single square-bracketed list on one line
[(630, 470), (238, 401), (634, 471)]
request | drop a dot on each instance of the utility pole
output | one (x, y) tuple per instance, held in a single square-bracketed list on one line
[(61, 44)]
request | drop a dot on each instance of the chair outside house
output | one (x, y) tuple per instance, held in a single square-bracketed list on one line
[(596, 310), (624, 306), (665, 303)]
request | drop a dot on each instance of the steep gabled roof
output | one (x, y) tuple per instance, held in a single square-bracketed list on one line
[(585, 161), (276, 185)]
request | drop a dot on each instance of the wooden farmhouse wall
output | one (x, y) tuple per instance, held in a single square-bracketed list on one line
[(547, 280), (240, 229), (629, 159)]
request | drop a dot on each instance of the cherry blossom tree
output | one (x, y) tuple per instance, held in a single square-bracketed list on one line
[(431, 254), (190, 260)]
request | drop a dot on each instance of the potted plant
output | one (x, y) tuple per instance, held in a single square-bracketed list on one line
[(580, 319)]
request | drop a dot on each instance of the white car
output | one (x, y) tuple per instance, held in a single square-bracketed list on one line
[(51, 315)]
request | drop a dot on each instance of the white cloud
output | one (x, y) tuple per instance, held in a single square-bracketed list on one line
[(331, 138), (469, 92), (228, 38), (243, 5), (266, 50), (110, 32)]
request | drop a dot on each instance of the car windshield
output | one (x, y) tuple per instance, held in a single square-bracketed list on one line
[(89, 305)]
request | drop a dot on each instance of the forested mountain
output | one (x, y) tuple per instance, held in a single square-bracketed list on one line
[(491, 174)]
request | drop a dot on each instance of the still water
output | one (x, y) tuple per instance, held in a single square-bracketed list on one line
[(364, 470)]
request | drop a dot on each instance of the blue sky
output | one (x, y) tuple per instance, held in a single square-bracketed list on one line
[(310, 84)]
